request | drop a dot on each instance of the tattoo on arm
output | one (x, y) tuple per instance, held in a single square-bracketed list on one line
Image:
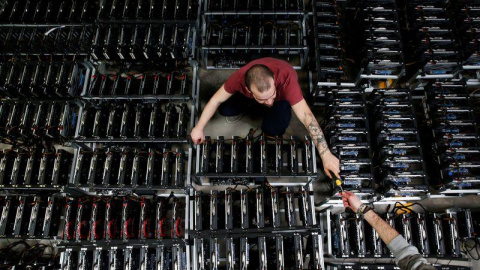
[(316, 133)]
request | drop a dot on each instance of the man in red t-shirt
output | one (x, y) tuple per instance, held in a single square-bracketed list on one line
[(273, 83)]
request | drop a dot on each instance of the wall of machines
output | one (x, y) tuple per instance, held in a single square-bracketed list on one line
[(362, 47), (396, 40), (451, 110), (97, 98), (377, 140), (97, 102), (399, 142), (236, 32), (382, 146), (403, 144)]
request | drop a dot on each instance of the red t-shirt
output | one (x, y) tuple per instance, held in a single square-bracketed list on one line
[(286, 80)]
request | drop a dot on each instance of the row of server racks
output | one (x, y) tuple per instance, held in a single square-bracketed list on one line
[(395, 75), (397, 81), (98, 99), (357, 41)]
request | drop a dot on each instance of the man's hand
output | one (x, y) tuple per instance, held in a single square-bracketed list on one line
[(197, 135), (351, 200), (331, 165)]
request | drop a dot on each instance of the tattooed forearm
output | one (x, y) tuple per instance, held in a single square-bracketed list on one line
[(324, 151), (316, 133)]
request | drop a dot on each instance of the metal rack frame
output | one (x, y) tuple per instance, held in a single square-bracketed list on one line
[(420, 189), (254, 178), (301, 51), (363, 192), (337, 208)]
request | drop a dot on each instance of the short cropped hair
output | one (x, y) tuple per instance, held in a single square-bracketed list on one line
[(258, 75)]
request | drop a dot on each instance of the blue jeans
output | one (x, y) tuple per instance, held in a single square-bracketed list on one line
[(275, 119)]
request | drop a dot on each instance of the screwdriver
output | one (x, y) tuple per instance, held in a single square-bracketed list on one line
[(339, 184)]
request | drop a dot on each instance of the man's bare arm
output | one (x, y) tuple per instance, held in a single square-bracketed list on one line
[(386, 232), (330, 162), (218, 98), (306, 116)]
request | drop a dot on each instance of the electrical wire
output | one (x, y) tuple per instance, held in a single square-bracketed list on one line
[(475, 247), (404, 208), (28, 257)]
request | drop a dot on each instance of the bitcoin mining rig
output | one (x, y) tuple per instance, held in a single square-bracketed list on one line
[(98, 98)]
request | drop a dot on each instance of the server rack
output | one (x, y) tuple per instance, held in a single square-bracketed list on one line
[(242, 160), (330, 20), (235, 33), (348, 134), (237, 228), (402, 165), (455, 135), (383, 41), (435, 234)]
